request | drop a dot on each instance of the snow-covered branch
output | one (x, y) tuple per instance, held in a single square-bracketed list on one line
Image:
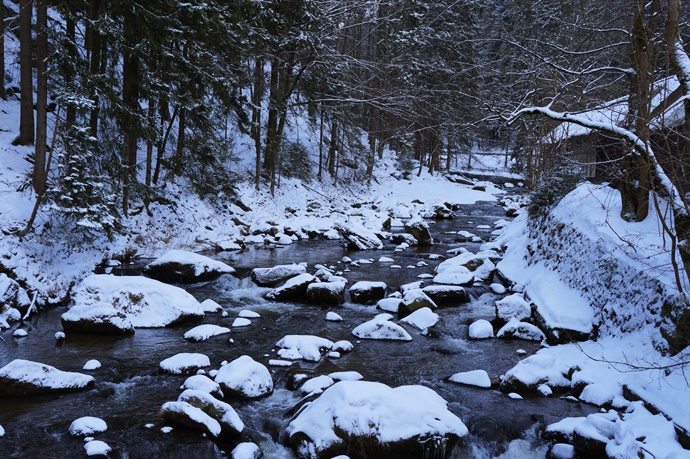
[(639, 146)]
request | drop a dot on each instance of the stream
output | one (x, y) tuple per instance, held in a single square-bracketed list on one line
[(130, 390)]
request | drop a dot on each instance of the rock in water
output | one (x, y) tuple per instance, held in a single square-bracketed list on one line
[(270, 277), (184, 363), (367, 292), (326, 293), (245, 378), (368, 419), (380, 327), (420, 231), (181, 267), (24, 377), (358, 237), (294, 288)]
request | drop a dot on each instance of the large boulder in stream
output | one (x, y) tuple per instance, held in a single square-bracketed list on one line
[(326, 293), (245, 378), (367, 292), (358, 237), (368, 419), (231, 425), (415, 299), (24, 377), (447, 295), (144, 302), (294, 288), (99, 318), (181, 267), (271, 277), (420, 230), (12, 296)]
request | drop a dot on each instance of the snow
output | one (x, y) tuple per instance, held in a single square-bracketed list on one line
[(478, 378), (202, 383), (246, 450), (145, 302), (381, 327), (520, 330), (92, 365), (280, 363), (422, 318), (247, 314), (194, 414), (204, 332), (20, 333), (98, 313), (316, 385), (225, 414), (209, 305), (2, 431), (43, 377), (201, 264), (245, 376), (513, 307), (481, 329), (276, 274), (389, 304), (87, 425), (241, 322), (97, 448), (333, 317), (366, 409), (343, 346), (305, 347), (346, 376), (184, 362)]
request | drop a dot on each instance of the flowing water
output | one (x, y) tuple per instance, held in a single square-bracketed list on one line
[(130, 389)]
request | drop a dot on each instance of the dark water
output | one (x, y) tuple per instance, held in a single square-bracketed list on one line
[(130, 390)]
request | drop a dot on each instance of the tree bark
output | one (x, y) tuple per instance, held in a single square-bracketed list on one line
[(39, 177), (257, 95), (95, 47), (70, 26), (130, 101), (3, 93), (26, 117)]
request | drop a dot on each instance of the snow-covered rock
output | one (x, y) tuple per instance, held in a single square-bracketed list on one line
[(246, 450), (87, 426), (245, 378), (230, 423), (305, 347), (204, 332), (333, 317), (358, 237), (182, 267), (478, 378), (145, 302), (241, 322), (184, 363), (343, 346), (92, 364), (208, 305), (317, 384), (270, 277), (438, 211), (2, 431), (513, 307), (369, 419), (414, 299), (247, 314), (481, 329), (294, 288), (453, 272), (24, 377), (346, 376), (422, 318), (204, 384), (97, 318), (97, 448), (447, 295), (520, 330), (20, 333), (367, 292), (326, 293), (389, 304), (419, 230), (191, 417), (12, 296), (380, 327), (497, 288)]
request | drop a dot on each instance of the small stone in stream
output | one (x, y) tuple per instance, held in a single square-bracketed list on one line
[(92, 365), (333, 317), (166, 429), (521, 352), (59, 336), (20, 333), (515, 396), (544, 390), (334, 355), (241, 322)]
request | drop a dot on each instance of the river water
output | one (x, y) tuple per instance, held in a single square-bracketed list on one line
[(130, 390)]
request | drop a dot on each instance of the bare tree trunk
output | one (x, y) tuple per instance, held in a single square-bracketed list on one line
[(333, 148), (130, 99), (70, 26), (320, 174), (39, 177), (271, 154), (256, 117), (3, 93), (95, 46), (26, 117), (179, 149)]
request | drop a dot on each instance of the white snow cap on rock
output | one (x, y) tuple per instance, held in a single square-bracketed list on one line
[(422, 318), (201, 263), (366, 409), (241, 322), (478, 378), (202, 383), (246, 377), (305, 347), (481, 329), (145, 302), (333, 317), (246, 450), (97, 448), (92, 365), (42, 376), (317, 384), (86, 426), (247, 314), (380, 327), (513, 307), (204, 332), (208, 305), (184, 362), (520, 330)]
